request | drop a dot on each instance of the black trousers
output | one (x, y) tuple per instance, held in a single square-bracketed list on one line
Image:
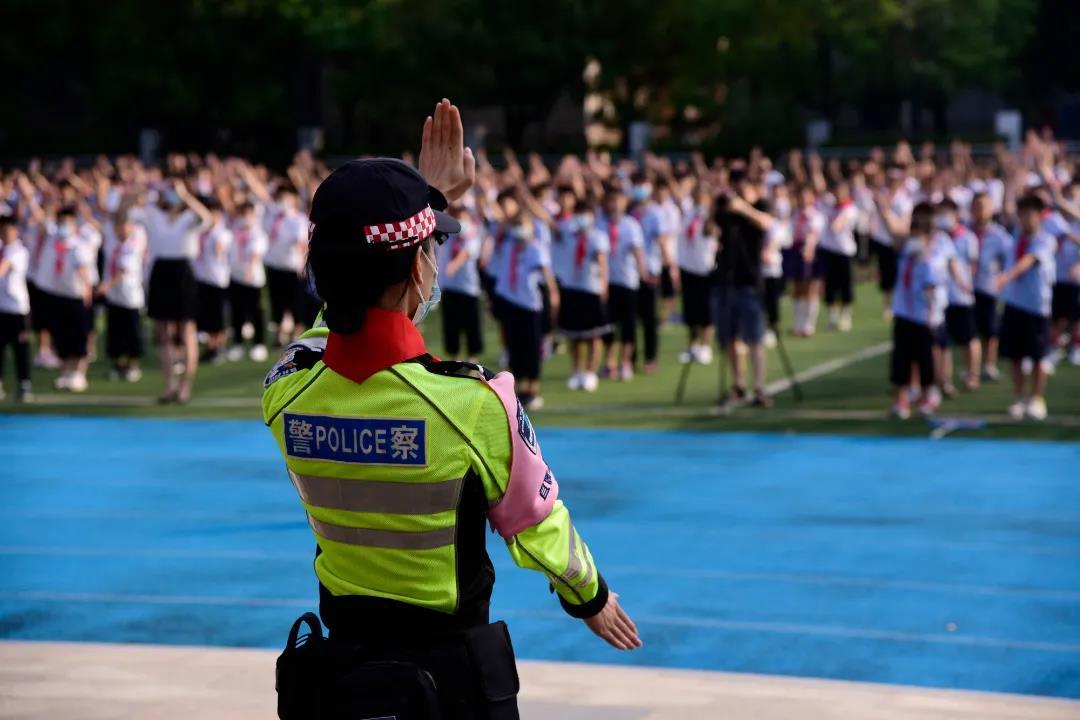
[(246, 302), (124, 336), (646, 313), (15, 332), (524, 333), (461, 316), (284, 286), (912, 344), (838, 285)]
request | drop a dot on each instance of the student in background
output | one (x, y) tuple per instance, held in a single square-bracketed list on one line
[(837, 249), (126, 249), (777, 240), (889, 220), (1026, 288), (626, 268), (1065, 307), (71, 276), (247, 277), (916, 312), (14, 307), (960, 313), (994, 247), (695, 251), (211, 265), (459, 280), (287, 234), (584, 292), (521, 268), (658, 233), (803, 265)]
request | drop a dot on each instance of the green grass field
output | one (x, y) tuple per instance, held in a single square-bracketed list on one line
[(850, 400)]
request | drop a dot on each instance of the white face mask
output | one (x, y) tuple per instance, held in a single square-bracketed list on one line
[(425, 306), (943, 222)]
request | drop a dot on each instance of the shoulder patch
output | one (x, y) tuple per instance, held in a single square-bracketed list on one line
[(456, 368), (362, 441), (525, 429), (301, 355)]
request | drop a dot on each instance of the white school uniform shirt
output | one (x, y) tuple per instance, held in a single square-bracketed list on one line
[(61, 262), (805, 223), (213, 260), (901, 206), (962, 196), (170, 237), (694, 250), (1032, 291), (777, 239), (942, 253), (248, 248), (14, 298), (995, 247), (965, 246), (287, 232), (624, 236), (124, 265), (841, 240)]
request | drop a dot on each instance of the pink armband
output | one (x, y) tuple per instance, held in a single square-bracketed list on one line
[(532, 490)]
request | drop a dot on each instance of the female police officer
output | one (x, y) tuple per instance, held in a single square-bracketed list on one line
[(400, 459)]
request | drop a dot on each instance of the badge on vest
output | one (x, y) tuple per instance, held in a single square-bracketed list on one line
[(364, 441), (525, 429)]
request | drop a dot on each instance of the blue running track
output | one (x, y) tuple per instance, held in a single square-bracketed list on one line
[(949, 564)]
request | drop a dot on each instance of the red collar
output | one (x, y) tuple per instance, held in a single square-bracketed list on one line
[(387, 338)]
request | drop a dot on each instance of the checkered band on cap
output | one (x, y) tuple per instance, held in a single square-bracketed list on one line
[(404, 234)]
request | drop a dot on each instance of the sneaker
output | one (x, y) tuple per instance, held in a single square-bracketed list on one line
[(901, 410), (1036, 409), (590, 382), (948, 390), (991, 373), (686, 357), (536, 403), (25, 393), (762, 400), (78, 383), (576, 381), (844, 325), (769, 339), (1017, 410), (627, 373), (247, 331), (47, 361), (703, 355), (133, 375), (235, 353), (1048, 365), (1074, 355), (258, 354), (62, 382)]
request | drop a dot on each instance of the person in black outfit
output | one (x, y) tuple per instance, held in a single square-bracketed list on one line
[(743, 218)]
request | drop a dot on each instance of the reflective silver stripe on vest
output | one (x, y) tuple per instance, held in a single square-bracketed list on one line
[(393, 539), (376, 496)]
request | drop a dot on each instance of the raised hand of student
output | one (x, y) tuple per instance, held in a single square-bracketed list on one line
[(445, 162)]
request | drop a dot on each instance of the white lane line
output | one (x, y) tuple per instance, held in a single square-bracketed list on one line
[(62, 400), (613, 570), (855, 633), (829, 366)]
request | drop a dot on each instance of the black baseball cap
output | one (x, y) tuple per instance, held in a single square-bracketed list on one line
[(382, 202)]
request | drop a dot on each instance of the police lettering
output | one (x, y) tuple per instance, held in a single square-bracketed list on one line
[(380, 441)]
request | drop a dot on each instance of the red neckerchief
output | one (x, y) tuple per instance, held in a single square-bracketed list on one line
[(801, 221), (692, 228), (242, 236), (515, 252), (1021, 246), (387, 338), (843, 205), (980, 234), (60, 248), (581, 248), (613, 234)]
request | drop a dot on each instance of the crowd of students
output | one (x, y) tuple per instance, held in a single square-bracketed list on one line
[(980, 253)]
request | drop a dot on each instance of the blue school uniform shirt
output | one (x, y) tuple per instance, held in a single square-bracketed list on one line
[(965, 248), (942, 255), (562, 247), (917, 272), (995, 245), (1031, 292), (1068, 257), (467, 278), (520, 273), (655, 222), (623, 237), (586, 246)]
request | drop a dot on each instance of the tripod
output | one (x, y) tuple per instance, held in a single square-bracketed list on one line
[(785, 360)]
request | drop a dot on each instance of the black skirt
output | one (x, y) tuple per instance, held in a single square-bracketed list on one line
[(582, 315), (173, 292)]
